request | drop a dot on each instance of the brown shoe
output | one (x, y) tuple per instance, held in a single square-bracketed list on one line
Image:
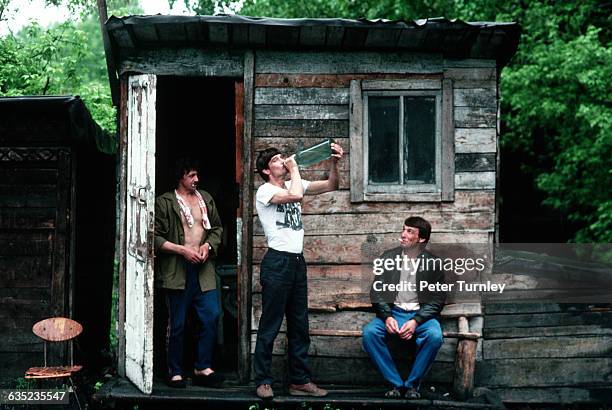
[(264, 391), (308, 389)]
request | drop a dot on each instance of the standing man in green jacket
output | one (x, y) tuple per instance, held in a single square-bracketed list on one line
[(187, 237)]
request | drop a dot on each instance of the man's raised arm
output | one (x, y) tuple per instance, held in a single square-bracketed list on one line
[(333, 181), (295, 193)]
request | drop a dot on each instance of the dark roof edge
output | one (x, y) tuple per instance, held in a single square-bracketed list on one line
[(270, 21), (84, 130), (496, 40)]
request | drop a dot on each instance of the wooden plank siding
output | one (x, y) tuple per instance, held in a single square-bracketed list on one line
[(346, 249), (361, 62), (390, 222), (547, 352), (183, 61), (35, 185), (336, 337), (301, 98), (355, 371), (349, 346)]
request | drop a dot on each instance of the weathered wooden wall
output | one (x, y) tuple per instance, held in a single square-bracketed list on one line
[(56, 250), (301, 98), (547, 352), (34, 249)]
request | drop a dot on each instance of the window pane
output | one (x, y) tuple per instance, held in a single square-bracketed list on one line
[(383, 140), (419, 140)]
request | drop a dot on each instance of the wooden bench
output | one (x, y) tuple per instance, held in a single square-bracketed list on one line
[(469, 332), (469, 318), (336, 330)]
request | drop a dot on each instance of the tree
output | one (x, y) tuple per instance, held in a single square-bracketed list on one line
[(557, 111), (66, 58)]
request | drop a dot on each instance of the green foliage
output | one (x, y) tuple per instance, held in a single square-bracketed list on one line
[(557, 111), (371, 9), (255, 406), (90, 7), (210, 7), (65, 59), (201, 7), (24, 384)]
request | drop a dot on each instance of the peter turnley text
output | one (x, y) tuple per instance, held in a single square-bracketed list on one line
[(462, 286)]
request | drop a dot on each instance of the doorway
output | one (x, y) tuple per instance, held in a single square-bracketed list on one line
[(196, 118)]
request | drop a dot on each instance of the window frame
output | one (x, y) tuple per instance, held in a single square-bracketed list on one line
[(381, 188), (364, 191)]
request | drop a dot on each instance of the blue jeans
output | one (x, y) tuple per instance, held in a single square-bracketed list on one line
[(206, 305), (428, 341), (284, 292)]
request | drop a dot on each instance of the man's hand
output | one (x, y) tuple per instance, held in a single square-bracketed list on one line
[(204, 252), (290, 163), (337, 151), (391, 325), (333, 180), (408, 329), (191, 256)]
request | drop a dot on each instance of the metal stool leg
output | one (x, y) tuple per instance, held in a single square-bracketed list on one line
[(74, 390)]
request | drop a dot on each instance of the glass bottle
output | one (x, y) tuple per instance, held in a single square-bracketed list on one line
[(316, 153)]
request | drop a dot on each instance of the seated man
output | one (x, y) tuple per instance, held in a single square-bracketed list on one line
[(406, 314)]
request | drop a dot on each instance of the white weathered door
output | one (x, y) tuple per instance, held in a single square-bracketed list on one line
[(140, 224)]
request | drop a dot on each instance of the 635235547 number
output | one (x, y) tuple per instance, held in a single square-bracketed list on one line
[(34, 396)]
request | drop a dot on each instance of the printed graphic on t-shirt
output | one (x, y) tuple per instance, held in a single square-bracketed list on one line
[(292, 216)]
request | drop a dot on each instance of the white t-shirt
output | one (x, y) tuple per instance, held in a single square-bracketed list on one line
[(282, 223)]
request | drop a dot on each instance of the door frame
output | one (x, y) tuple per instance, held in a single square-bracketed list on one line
[(245, 247), (120, 244), (244, 164)]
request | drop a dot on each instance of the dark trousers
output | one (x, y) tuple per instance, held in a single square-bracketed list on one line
[(284, 292), (206, 305)]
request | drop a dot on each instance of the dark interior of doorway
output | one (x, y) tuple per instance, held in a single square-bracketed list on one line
[(195, 118)]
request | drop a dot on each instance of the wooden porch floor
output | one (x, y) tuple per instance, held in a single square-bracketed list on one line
[(119, 391)]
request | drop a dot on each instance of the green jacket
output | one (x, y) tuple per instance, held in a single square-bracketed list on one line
[(170, 268)]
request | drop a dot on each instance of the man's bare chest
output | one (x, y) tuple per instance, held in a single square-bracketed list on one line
[(194, 208)]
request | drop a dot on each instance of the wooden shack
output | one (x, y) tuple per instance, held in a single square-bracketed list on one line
[(57, 200), (224, 87)]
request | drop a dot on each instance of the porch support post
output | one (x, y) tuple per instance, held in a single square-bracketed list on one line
[(465, 361), (121, 225), (245, 268)]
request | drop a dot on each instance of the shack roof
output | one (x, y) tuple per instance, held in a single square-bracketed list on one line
[(68, 111), (452, 38)]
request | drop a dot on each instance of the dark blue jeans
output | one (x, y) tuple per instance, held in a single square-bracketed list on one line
[(428, 337), (206, 305), (284, 292)]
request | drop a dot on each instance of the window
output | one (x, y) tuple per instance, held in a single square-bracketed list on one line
[(399, 141)]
